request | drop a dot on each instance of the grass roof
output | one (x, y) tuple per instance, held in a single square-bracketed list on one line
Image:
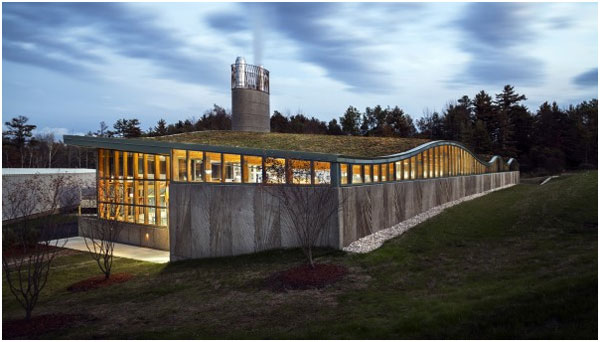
[(365, 147)]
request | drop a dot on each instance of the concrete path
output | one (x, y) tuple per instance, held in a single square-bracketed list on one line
[(121, 250)]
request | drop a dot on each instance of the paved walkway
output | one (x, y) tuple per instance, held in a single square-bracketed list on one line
[(121, 250)]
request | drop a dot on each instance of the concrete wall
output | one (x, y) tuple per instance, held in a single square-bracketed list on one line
[(370, 208), (208, 220), (250, 110), (133, 234), (18, 184)]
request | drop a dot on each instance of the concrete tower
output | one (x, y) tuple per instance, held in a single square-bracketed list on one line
[(249, 97)]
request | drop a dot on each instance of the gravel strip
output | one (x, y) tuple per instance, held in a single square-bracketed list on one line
[(372, 242)]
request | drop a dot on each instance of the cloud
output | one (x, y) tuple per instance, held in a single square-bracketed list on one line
[(560, 23), (227, 22), (34, 33), (492, 36), (587, 79), (340, 51)]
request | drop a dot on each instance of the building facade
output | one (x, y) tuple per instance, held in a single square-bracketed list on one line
[(200, 200)]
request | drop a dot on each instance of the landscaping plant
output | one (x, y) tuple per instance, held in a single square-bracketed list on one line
[(28, 248)]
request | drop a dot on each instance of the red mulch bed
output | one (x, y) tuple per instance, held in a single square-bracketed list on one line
[(38, 325), (303, 277), (99, 281)]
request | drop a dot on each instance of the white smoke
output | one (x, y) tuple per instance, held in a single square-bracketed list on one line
[(257, 34)]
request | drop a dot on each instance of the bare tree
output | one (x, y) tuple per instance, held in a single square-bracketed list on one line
[(307, 209), (28, 248), (100, 239)]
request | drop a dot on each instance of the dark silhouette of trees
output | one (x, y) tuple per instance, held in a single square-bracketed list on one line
[(279, 123), (127, 128), (333, 128), (552, 139), (19, 133), (351, 121)]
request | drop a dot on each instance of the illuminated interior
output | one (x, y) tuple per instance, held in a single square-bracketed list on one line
[(134, 187)]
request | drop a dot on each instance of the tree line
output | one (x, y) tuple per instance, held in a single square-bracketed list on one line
[(551, 139)]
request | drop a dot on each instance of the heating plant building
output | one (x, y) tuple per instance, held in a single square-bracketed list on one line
[(207, 193)]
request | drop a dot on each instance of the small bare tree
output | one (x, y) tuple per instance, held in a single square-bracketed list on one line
[(28, 248), (307, 209), (100, 239)]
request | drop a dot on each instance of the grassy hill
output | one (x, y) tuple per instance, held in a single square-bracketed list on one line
[(518, 263)]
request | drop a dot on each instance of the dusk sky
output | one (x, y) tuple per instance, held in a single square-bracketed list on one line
[(68, 66)]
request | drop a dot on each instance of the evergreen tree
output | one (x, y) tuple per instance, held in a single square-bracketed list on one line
[(19, 133), (430, 126), (279, 123), (351, 123), (458, 121), (161, 128), (547, 152), (582, 147), (400, 124), (333, 128), (508, 108), (127, 128)]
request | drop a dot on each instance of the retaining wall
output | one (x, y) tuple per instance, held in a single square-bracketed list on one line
[(131, 233), (370, 208), (209, 220)]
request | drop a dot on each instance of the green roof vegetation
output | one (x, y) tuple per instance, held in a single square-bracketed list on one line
[(354, 146)]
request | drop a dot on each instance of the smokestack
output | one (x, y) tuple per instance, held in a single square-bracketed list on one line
[(249, 97)]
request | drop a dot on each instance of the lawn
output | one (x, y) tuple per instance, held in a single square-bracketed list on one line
[(518, 263)]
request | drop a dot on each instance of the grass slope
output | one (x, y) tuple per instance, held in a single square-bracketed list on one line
[(354, 146), (518, 263)]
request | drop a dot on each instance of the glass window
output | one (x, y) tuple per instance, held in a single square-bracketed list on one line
[(100, 163), (384, 172), (399, 171), (162, 167), (322, 172), (413, 167), (275, 170), (151, 215), (128, 165), (150, 165), (140, 166), (164, 217), (195, 166), (141, 214), (139, 198), (232, 168), (356, 174), (368, 173), (252, 169), (213, 168), (391, 173), (129, 213), (163, 199), (111, 164), (300, 171), (149, 187), (344, 174), (119, 164), (376, 173), (406, 169), (424, 164), (129, 190), (180, 165)]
